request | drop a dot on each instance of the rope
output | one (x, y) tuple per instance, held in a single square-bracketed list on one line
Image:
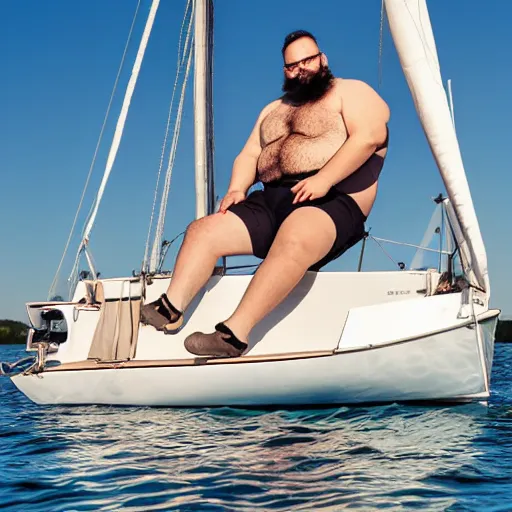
[(411, 245), (426, 48), (166, 250), (167, 185), (20, 366), (478, 336), (172, 156), (179, 65), (73, 277), (383, 250), (381, 37), (51, 291)]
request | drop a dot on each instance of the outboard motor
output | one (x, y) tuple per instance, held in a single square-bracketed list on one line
[(53, 331)]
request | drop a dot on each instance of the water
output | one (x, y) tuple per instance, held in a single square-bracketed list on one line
[(372, 458)]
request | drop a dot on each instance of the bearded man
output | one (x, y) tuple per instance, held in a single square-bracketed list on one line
[(318, 151)]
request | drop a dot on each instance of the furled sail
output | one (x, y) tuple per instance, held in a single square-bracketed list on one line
[(412, 34)]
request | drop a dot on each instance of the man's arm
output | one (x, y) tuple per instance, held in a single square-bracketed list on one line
[(366, 115), (243, 174)]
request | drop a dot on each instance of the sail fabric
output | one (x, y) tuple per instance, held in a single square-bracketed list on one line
[(437, 238), (412, 34)]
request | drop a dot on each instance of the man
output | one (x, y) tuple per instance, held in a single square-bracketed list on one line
[(318, 150)]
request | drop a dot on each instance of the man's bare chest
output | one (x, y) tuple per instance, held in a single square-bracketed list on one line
[(310, 121)]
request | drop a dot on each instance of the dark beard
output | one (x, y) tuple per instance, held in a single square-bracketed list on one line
[(309, 87)]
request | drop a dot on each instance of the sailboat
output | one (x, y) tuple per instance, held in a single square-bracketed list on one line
[(416, 334)]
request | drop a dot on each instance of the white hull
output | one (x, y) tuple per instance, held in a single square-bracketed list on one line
[(445, 366), (399, 362)]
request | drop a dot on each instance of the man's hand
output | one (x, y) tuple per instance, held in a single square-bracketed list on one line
[(233, 197), (311, 188)]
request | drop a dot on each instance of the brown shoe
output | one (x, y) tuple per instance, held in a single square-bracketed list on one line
[(221, 343), (162, 315)]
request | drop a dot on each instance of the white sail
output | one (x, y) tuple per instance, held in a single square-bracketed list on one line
[(414, 40)]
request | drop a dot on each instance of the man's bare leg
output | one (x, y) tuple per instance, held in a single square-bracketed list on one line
[(305, 237), (206, 240)]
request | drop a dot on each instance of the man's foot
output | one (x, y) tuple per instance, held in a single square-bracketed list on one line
[(162, 315), (220, 343)]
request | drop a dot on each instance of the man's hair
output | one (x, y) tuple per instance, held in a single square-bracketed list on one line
[(293, 36)]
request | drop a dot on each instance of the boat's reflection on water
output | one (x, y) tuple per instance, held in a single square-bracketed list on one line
[(280, 459)]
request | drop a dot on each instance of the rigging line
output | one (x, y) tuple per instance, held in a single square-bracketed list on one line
[(172, 155), (180, 63), (73, 277), (167, 184), (423, 248), (163, 253), (383, 250), (121, 121), (211, 113), (159, 230), (156, 250), (121, 65), (381, 37), (111, 99), (426, 49)]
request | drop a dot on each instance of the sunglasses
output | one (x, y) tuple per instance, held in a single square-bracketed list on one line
[(307, 60)]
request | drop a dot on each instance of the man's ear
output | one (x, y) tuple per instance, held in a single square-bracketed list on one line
[(324, 59)]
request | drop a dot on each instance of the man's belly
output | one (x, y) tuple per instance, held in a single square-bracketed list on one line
[(293, 156)]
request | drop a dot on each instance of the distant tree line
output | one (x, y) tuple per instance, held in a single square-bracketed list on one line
[(13, 332), (504, 330)]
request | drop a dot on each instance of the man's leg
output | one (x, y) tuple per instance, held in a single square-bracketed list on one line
[(206, 240), (304, 238)]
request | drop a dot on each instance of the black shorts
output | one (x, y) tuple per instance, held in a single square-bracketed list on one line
[(263, 212)]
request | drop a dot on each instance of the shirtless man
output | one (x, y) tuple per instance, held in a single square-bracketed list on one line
[(318, 150)]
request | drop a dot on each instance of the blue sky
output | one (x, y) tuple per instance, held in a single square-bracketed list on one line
[(59, 63)]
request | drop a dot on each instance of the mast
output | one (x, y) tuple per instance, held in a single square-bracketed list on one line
[(203, 108)]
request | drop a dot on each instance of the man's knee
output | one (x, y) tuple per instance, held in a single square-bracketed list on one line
[(219, 234), (299, 248), (306, 239), (201, 229)]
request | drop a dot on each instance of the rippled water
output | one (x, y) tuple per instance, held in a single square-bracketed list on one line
[(389, 457)]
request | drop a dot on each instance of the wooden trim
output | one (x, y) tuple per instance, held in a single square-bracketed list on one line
[(197, 361)]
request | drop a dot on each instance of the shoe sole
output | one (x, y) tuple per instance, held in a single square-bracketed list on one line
[(173, 327)]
